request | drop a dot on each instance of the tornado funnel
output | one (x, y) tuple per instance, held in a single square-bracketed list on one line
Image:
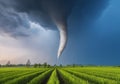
[(63, 38), (51, 13)]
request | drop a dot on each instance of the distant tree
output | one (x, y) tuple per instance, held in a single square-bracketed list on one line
[(55, 65), (39, 65), (35, 65), (45, 64), (68, 65), (8, 64), (28, 63), (20, 65), (81, 65), (60, 65), (0, 65), (74, 65), (48, 65)]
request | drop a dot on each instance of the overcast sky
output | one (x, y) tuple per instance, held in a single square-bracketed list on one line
[(28, 31)]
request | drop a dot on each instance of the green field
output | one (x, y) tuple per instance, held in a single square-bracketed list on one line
[(76, 75)]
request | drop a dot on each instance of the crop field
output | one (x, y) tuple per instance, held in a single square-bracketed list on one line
[(66, 75)]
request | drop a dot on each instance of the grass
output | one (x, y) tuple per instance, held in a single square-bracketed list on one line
[(41, 79), (66, 75), (24, 79), (53, 78)]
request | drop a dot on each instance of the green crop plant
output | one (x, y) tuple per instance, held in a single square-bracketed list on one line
[(53, 78), (41, 78), (71, 79)]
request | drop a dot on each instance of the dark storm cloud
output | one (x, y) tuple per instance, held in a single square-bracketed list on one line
[(41, 11), (11, 22), (51, 12), (16, 14), (85, 12)]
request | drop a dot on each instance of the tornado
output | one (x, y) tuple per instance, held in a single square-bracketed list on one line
[(51, 13), (61, 24), (59, 12), (63, 38)]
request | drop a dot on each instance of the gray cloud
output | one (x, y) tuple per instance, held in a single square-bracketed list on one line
[(11, 22), (16, 14)]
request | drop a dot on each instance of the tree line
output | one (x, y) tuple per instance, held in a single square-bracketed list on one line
[(38, 65)]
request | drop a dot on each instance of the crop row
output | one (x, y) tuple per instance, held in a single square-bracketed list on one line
[(54, 78), (60, 76), (92, 78), (102, 74), (70, 78), (18, 76)]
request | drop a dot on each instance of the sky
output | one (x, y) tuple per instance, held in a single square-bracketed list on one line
[(28, 30)]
